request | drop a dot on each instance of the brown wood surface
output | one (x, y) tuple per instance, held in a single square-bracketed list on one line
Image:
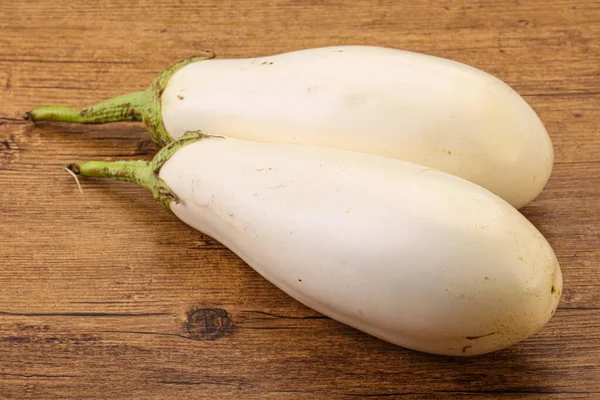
[(105, 295)]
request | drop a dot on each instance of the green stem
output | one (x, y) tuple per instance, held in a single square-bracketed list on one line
[(122, 108), (145, 174), (139, 106), (137, 171)]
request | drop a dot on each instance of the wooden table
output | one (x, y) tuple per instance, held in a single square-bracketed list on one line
[(105, 295)]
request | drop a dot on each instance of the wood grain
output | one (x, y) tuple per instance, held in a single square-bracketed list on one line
[(104, 295)]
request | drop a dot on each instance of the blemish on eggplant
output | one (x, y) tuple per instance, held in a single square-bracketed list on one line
[(209, 323), (131, 112)]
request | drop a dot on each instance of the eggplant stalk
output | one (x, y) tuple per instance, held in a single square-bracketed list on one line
[(144, 173), (138, 106)]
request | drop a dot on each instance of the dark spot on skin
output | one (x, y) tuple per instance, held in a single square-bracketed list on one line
[(464, 349), (180, 97), (271, 63), (130, 111), (208, 323), (263, 63), (299, 280), (479, 337), (553, 289), (486, 278)]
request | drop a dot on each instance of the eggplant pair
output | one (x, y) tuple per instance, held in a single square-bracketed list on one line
[(374, 185)]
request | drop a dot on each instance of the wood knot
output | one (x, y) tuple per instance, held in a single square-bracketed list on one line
[(208, 323)]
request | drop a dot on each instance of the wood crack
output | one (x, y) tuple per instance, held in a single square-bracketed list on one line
[(83, 314), (277, 316), (40, 375), (146, 333)]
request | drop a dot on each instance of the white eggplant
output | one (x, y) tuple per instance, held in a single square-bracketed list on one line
[(399, 104), (411, 255)]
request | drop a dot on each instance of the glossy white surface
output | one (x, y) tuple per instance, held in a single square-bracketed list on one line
[(400, 104), (417, 257)]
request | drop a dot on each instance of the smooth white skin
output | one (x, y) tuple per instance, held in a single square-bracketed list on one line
[(414, 256), (400, 104)]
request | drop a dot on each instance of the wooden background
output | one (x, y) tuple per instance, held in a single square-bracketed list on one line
[(105, 295)]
